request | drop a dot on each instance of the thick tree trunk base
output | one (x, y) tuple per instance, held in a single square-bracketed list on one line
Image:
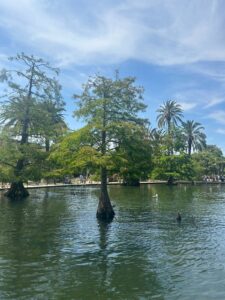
[(17, 191), (105, 211), (131, 183), (171, 181)]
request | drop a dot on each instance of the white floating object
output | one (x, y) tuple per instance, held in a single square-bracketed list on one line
[(155, 196)]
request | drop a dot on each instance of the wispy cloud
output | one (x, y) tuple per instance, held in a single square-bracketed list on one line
[(188, 105), (218, 116), (160, 32), (190, 97), (212, 69), (221, 131), (214, 102), (180, 44)]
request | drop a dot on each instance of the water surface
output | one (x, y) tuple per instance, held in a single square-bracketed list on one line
[(52, 247)]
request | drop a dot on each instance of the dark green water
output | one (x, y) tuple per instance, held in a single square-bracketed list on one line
[(52, 247)]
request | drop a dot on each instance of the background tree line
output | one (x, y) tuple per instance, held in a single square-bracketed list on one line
[(114, 142)]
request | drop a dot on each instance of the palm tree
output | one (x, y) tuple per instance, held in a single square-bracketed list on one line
[(170, 113), (54, 125), (194, 135), (156, 137)]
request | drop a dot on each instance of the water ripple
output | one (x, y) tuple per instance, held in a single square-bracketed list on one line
[(52, 247)]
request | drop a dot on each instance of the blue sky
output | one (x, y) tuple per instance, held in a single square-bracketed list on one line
[(175, 49)]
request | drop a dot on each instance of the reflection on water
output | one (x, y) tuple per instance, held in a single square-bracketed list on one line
[(52, 246)]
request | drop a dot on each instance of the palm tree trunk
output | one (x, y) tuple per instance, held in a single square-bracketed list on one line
[(189, 147), (170, 146), (47, 145)]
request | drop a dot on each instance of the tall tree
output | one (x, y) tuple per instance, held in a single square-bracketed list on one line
[(169, 115), (194, 135), (132, 158), (31, 83), (157, 138), (108, 106), (210, 161), (54, 125), (171, 167)]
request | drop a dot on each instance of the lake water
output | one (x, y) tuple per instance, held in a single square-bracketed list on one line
[(52, 247)]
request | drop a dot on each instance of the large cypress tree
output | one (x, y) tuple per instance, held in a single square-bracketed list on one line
[(30, 83), (108, 106)]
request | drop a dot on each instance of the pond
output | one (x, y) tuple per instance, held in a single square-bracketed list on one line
[(52, 246)]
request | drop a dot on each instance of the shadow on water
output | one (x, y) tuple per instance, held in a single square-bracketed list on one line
[(122, 269), (110, 269), (104, 228)]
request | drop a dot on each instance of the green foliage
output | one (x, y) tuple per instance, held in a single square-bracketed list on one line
[(178, 140), (33, 100), (114, 138), (194, 136), (170, 113), (132, 158), (53, 125), (75, 153), (105, 101), (176, 166), (11, 151), (31, 113), (111, 108), (210, 161)]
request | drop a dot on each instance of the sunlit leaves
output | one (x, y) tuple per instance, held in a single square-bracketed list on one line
[(30, 114)]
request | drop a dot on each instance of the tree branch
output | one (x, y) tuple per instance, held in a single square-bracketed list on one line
[(7, 164)]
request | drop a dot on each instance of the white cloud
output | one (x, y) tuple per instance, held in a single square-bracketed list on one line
[(189, 97), (218, 116), (161, 32), (221, 131), (215, 70), (214, 102), (188, 105)]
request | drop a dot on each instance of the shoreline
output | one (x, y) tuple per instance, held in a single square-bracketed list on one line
[(151, 182)]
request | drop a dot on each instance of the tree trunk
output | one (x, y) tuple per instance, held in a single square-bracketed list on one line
[(17, 191), (47, 145), (170, 180), (131, 182), (105, 211), (189, 147)]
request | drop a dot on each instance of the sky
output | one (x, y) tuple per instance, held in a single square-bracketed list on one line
[(174, 48)]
